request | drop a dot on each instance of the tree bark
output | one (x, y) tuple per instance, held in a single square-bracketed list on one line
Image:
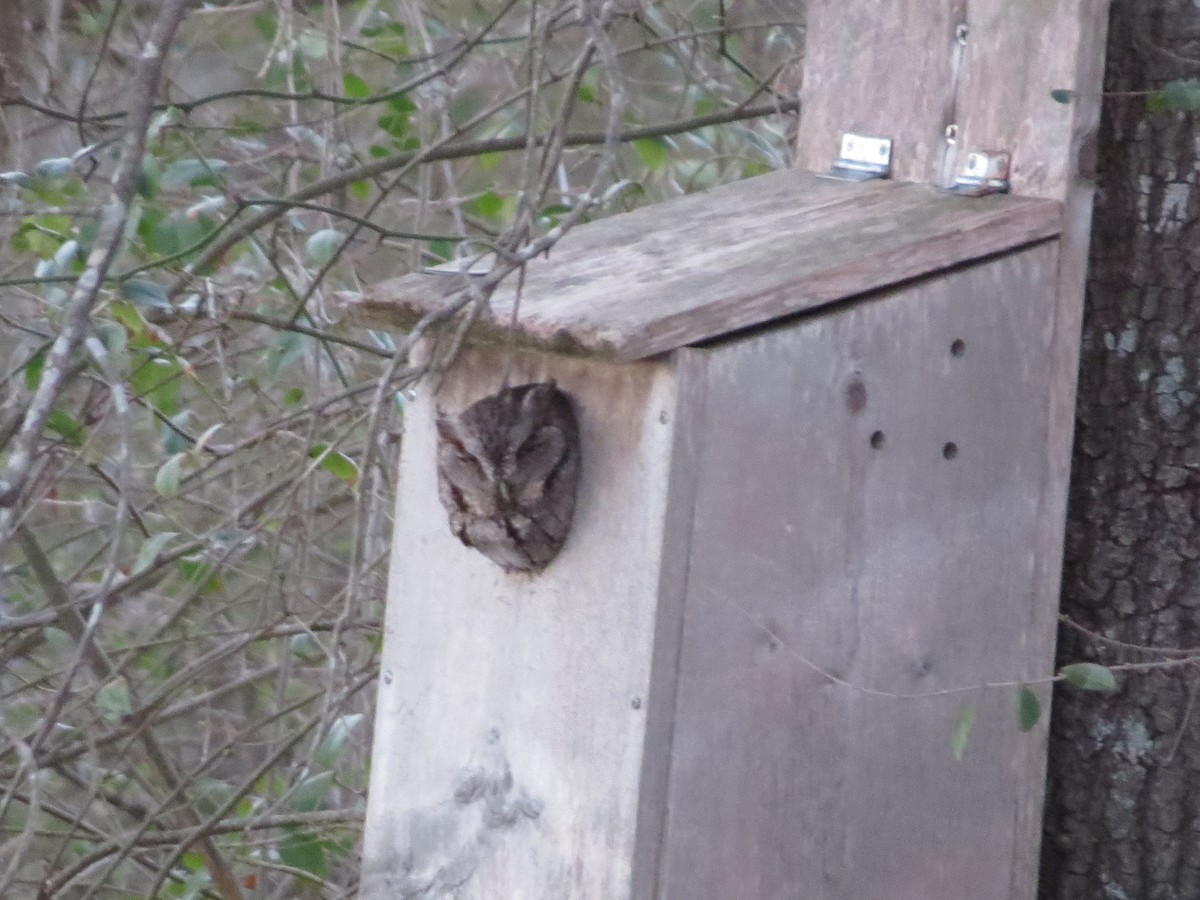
[(1123, 808)]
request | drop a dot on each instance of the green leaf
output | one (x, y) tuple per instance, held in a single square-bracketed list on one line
[(335, 462), (66, 427), (112, 700), (552, 214), (193, 886), (209, 432), (1029, 709), (1183, 94), (210, 794), (310, 795), (588, 87), (1062, 95), (321, 245), (115, 339), (207, 204), (286, 349), (442, 249), (177, 232), (266, 23), (150, 549), (242, 127), (387, 38), (33, 370), (155, 379), (149, 177), (489, 204), (302, 849), (54, 169), (172, 441), (193, 173), (145, 293), (1157, 102), (306, 648), (755, 167), (42, 235), (128, 317), (312, 44), (962, 730), (653, 151), (1090, 677), (395, 120), (293, 396), (65, 255), (354, 87), (198, 571), (331, 748), (166, 481), (361, 189)]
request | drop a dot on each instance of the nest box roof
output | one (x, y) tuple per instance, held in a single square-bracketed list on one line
[(738, 256)]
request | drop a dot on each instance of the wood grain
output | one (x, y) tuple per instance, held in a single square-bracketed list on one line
[(891, 568), (512, 714), (883, 70), (1017, 53), (706, 265), (900, 70), (1074, 40)]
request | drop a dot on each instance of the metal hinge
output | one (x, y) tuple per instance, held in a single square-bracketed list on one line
[(863, 158), (986, 172)]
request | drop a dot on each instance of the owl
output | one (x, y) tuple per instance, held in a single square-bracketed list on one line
[(508, 470)]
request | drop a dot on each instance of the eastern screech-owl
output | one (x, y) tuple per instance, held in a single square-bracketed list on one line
[(508, 468)]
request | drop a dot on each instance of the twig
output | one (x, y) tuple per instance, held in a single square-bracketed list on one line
[(112, 228), (468, 149)]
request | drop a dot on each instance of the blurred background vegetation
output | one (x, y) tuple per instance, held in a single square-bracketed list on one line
[(197, 454)]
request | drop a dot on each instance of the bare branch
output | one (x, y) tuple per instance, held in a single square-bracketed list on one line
[(112, 230)]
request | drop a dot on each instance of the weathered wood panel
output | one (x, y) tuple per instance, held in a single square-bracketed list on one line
[(909, 69), (840, 558), (512, 712), (688, 443), (702, 266), (1013, 53), (884, 70), (1077, 48), (1017, 52)]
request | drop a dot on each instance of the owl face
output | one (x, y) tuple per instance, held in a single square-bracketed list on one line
[(508, 470)]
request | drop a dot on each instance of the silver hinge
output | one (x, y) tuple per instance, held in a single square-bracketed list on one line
[(986, 172), (863, 158)]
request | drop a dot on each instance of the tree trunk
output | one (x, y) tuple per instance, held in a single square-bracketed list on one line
[(1123, 811)]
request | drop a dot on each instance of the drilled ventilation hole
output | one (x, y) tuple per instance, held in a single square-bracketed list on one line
[(877, 440), (958, 348), (950, 450)]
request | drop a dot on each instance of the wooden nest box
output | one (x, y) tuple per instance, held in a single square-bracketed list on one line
[(824, 435)]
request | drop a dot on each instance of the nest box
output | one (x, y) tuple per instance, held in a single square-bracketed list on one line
[(824, 435)]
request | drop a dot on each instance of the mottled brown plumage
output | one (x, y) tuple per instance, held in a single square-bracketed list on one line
[(508, 469)]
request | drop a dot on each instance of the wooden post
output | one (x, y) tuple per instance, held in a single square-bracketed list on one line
[(825, 431)]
